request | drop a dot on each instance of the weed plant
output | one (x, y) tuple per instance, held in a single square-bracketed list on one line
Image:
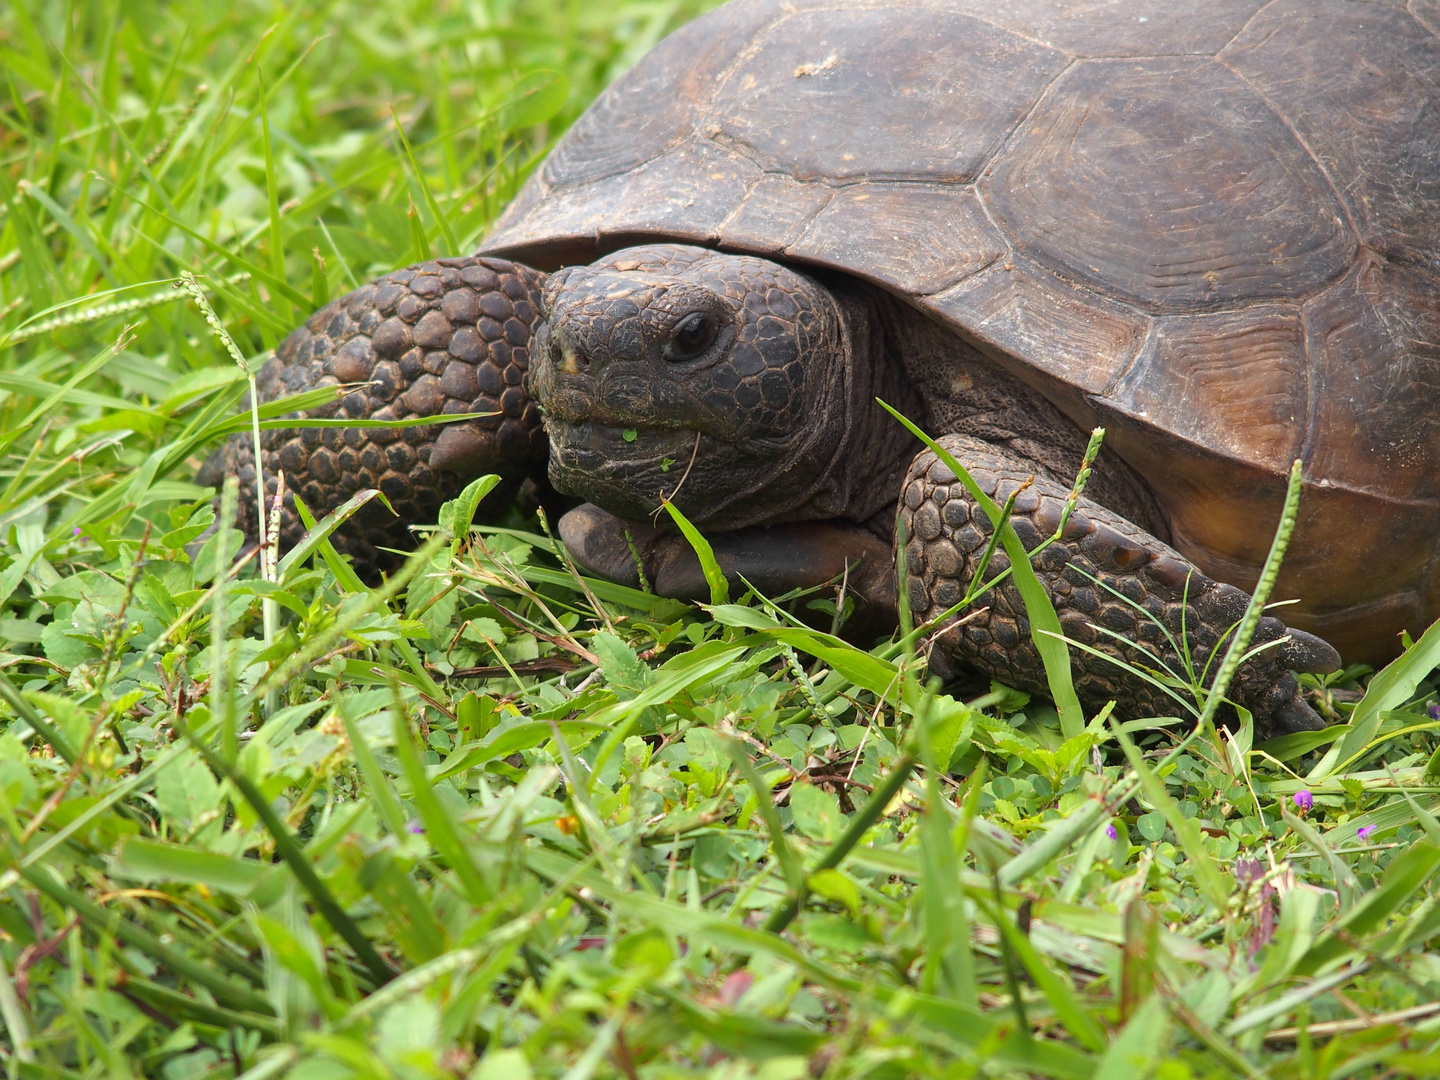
[(494, 820)]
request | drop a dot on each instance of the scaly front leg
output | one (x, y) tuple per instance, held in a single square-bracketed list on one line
[(1105, 574), (442, 337)]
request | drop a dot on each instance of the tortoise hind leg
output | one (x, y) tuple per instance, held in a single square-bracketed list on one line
[(1105, 574), (446, 336)]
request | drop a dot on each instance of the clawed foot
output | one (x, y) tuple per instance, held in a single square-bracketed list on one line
[(775, 560), (1266, 683)]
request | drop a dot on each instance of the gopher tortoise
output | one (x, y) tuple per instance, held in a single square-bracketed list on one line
[(1211, 227)]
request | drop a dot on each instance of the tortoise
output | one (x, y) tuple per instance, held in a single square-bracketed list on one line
[(1211, 227)]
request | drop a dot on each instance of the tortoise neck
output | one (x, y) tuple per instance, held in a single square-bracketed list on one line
[(864, 479)]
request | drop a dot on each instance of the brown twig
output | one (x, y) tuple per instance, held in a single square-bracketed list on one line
[(33, 954), (1359, 1023), (553, 665), (817, 778), (623, 1057)]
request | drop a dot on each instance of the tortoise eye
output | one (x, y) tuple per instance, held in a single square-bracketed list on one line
[(692, 336)]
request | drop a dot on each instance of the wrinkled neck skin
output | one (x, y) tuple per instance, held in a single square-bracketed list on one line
[(736, 387), (877, 450)]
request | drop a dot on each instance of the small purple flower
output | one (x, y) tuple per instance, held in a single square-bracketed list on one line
[(415, 827), (1304, 800), (1248, 870), (1363, 833), (1433, 711), (75, 531), (735, 986), (1111, 833)]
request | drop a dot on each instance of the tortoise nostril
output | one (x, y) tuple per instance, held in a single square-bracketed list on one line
[(565, 356)]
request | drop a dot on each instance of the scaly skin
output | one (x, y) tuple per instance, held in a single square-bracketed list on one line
[(948, 533), (448, 336)]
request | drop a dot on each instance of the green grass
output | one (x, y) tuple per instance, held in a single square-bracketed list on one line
[(720, 844)]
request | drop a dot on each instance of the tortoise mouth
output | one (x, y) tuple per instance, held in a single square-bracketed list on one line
[(625, 470)]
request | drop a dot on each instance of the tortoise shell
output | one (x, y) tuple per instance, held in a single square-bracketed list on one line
[(1212, 226)]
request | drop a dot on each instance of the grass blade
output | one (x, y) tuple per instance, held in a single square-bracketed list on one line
[(1389, 689), (785, 854), (319, 534), (1240, 641), (719, 587), (289, 849)]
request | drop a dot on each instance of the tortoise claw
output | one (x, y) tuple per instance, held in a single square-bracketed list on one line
[(1306, 652), (1224, 605), (1296, 715)]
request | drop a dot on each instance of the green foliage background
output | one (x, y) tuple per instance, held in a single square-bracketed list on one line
[(721, 843)]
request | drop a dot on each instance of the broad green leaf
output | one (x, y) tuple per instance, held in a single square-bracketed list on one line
[(458, 514), (836, 887), (189, 798), (149, 860), (623, 669), (73, 722), (645, 953), (1151, 826), (498, 1064), (408, 1032), (816, 811)]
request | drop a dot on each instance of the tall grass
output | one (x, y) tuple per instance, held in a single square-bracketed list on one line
[(492, 821)]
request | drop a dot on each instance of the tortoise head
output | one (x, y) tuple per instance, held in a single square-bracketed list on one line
[(726, 383)]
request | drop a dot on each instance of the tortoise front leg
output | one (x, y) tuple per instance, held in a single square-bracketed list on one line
[(447, 336), (1100, 559)]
